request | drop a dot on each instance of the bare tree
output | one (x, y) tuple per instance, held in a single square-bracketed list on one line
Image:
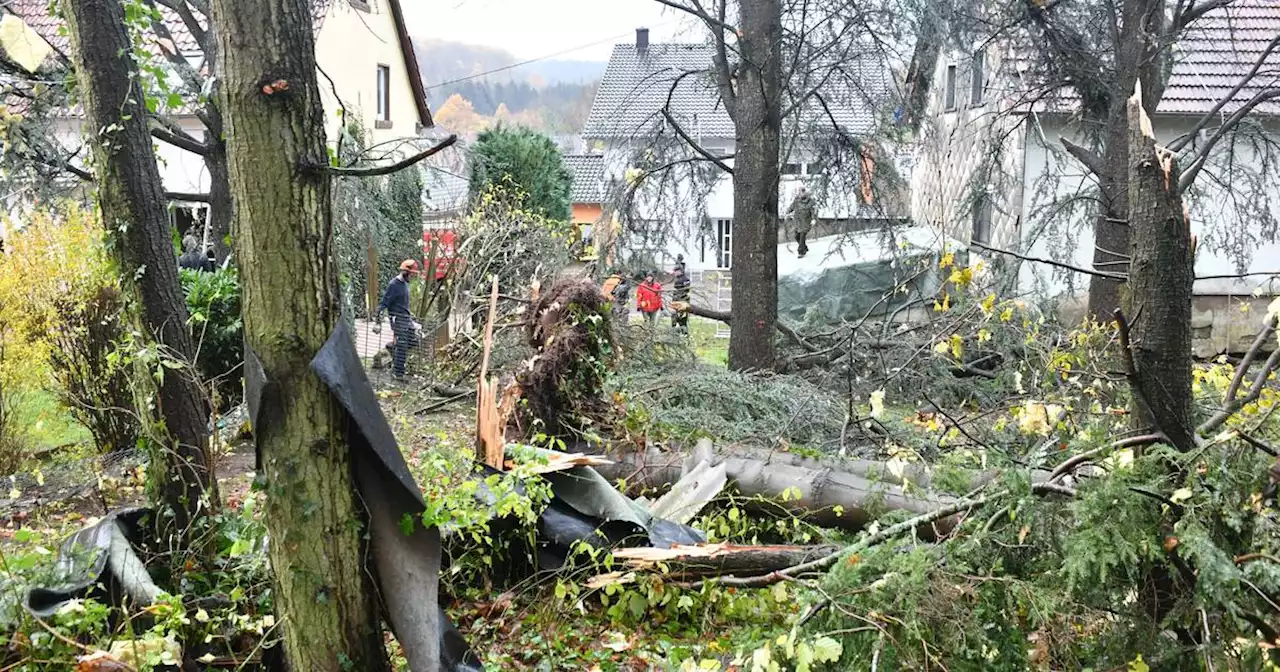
[(134, 215), (1063, 64)]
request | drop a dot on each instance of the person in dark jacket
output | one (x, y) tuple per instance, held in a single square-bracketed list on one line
[(802, 215), (395, 302), (680, 319), (192, 258)]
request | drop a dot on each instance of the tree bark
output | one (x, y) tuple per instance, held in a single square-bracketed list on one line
[(274, 129), (219, 187), (1141, 57), (135, 216), (1160, 282), (832, 498), (758, 126)]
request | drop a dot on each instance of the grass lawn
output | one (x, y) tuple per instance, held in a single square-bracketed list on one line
[(47, 421)]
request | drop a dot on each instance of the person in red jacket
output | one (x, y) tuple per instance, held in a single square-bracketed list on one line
[(649, 298)]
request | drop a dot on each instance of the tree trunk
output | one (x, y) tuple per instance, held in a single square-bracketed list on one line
[(136, 219), (274, 129), (1111, 234), (1141, 56), (219, 195), (757, 121), (1161, 276)]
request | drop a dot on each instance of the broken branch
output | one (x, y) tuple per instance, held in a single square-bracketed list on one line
[(388, 169)]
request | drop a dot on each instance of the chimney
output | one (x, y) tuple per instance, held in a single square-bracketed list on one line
[(642, 39)]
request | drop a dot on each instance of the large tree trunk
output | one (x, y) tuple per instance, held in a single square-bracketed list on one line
[(1161, 276), (136, 219), (219, 190), (1141, 56), (758, 125), (275, 129)]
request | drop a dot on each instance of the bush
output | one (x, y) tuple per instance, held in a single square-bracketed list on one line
[(62, 302), (13, 437), (526, 159), (213, 301), (93, 380)]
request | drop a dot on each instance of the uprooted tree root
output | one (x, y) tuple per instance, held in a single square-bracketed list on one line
[(563, 383)]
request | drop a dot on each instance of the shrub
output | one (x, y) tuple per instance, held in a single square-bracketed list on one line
[(13, 437), (66, 310), (93, 380), (213, 300)]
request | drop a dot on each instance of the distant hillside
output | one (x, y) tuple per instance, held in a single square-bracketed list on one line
[(551, 95)]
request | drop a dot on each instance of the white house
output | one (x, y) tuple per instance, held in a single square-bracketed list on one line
[(685, 206), (366, 67), (991, 168)]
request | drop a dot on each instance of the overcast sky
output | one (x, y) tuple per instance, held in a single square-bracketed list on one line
[(538, 28)]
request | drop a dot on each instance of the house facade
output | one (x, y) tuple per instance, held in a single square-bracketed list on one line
[(366, 67), (655, 98), (991, 168)]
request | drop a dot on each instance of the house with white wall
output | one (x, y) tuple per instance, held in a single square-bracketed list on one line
[(684, 204), (365, 64), (991, 168)]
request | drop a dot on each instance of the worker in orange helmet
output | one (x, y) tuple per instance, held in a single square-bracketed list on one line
[(395, 302)]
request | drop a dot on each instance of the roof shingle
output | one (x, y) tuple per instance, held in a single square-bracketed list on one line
[(588, 177), (637, 83)]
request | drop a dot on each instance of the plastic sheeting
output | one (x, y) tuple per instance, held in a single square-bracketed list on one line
[(845, 277)]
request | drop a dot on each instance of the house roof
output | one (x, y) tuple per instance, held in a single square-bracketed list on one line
[(1218, 51), (35, 13), (588, 177), (1210, 58), (637, 83)]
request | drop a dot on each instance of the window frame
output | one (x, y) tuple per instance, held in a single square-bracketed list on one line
[(983, 220), (951, 77), (978, 79), (382, 93), (724, 243)]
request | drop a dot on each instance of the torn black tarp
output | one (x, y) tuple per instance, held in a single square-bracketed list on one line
[(408, 565), (100, 555)]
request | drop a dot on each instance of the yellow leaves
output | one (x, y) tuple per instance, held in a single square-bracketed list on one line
[(1120, 460), (988, 305), (877, 404), (1006, 314), (1038, 418), (944, 306), (947, 261), (942, 347), (957, 346), (961, 277), (983, 335), (1138, 665)]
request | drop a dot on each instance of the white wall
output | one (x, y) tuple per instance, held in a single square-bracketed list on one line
[(180, 170), (350, 46), (1226, 231)]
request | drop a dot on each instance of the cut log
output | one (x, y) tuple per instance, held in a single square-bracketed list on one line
[(721, 559), (846, 494)]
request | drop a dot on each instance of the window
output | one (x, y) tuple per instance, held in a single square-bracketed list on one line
[(981, 220), (724, 242), (978, 82), (791, 169), (949, 92), (813, 168), (383, 120)]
